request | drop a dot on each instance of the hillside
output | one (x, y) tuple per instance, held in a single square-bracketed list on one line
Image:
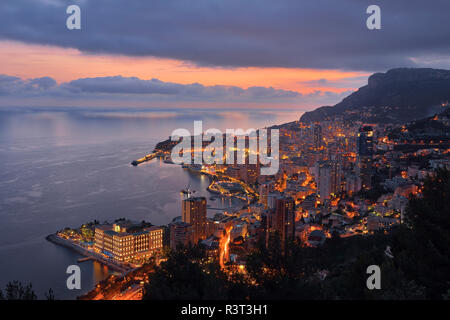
[(397, 96), (435, 128)]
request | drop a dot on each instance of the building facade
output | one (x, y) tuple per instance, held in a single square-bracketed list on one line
[(181, 233), (124, 243), (194, 213)]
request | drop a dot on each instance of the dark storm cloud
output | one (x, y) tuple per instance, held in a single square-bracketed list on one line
[(286, 33)]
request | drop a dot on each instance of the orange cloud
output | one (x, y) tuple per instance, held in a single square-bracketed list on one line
[(31, 61)]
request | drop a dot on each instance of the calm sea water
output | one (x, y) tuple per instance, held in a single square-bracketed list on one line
[(65, 167)]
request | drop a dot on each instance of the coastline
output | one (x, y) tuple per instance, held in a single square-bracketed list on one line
[(55, 239), (123, 270)]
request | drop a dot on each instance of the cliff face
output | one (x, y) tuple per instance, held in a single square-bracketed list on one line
[(398, 95)]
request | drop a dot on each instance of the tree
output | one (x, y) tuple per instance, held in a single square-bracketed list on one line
[(16, 291), (49, 295), (422, 247), (186, 275)]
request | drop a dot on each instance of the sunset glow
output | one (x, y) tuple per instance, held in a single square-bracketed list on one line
[(33, 61)]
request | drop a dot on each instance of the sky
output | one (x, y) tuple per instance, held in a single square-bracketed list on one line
[(210, 53)]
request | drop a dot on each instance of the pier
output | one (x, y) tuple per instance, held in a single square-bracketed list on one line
[(145, 159), (85, 259)]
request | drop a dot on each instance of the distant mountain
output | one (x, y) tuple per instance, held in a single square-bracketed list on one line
[(397, 96)]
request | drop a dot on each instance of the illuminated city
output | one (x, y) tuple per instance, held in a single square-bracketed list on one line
[(224, 158)]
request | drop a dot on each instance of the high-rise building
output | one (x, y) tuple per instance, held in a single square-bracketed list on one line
[(352, 184), (250, 173), (323, 179), (328, 178), (180, 234), (284, 219), (194, 213), (265, 224), (264, 189), (317, 136), (272, 199), (365, 171), (336, 176), (365, 141), (365, 153)]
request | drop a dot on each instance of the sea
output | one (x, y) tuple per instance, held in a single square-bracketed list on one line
[(63, 167)]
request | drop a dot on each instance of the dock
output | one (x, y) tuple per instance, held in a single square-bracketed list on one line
[(145, 159), (85, 259)]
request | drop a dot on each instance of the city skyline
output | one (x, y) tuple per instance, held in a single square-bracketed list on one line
[(318, 167)]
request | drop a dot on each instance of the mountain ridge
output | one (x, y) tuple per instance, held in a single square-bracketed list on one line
[(398, 95)]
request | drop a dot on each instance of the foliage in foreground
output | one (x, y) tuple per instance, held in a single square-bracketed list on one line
[(15, 290)]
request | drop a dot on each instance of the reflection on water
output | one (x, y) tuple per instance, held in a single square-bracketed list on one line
[(65, 168), (100, 272)]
